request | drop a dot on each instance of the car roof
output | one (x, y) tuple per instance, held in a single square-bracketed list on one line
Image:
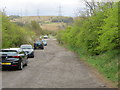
[(5, 49), (45, 35), (15, 49), (38, 41), (26, 45)]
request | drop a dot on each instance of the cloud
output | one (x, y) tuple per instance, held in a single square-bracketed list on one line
[(46, 7)]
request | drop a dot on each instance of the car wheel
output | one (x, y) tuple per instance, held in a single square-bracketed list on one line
[(32, 56), (42, 48), (26, 64), (20, 67), (3, 68)]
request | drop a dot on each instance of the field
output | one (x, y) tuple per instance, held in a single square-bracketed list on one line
[(53, 26), (45, 22)]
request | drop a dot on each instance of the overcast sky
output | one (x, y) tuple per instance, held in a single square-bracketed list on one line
[(41, 7)]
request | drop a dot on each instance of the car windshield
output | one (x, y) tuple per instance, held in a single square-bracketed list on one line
[(26, 47), (8, 53)]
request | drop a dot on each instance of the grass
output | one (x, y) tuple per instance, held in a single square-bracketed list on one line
[(106, 63), (53, 26)]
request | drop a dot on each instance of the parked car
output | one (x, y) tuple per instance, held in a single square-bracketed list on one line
[(38, 45), (44, 42), (28, 49), (13, 57), (46, 37)]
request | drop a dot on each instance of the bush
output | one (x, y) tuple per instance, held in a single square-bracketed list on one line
[(14, 35), (95, 34)]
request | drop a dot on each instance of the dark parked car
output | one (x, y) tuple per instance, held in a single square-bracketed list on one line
[(38, 45), (13, 57), (28, 49)]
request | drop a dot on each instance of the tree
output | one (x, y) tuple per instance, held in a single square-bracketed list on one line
[(36, 27)]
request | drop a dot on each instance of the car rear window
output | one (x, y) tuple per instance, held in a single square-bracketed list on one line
[(38, 42), (26, 47), (44, 40), (8, 53)]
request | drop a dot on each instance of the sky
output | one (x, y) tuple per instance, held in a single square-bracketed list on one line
[(42, 7)]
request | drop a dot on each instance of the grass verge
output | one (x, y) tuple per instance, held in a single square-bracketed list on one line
[(106, 63)]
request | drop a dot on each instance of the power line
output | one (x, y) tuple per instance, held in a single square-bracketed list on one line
[(21, 12), (60, 11), (26, 12), (37, 12), (4, 10)]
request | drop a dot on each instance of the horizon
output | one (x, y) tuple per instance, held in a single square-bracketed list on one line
[(42, 16)]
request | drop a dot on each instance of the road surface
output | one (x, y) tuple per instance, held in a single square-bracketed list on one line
[(53, 67)]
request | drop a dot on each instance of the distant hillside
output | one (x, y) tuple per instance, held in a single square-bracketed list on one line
[(46, 22)]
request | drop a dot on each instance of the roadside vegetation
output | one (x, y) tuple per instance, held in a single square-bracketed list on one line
[(94, 37), (15, 34)]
